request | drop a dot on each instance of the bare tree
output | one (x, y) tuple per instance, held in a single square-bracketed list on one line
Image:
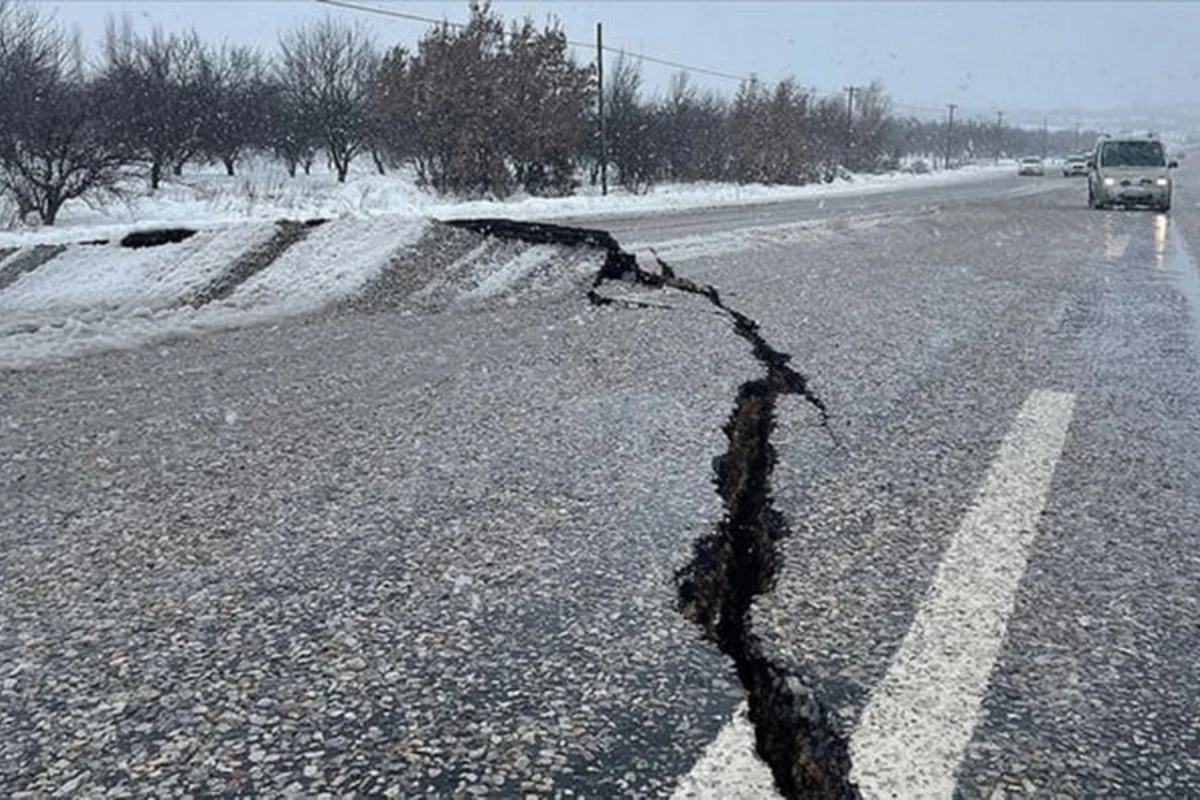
[(157, 93), (236, 118), (29, 52), (632, 126), (871, 129), (52, 148), (327, 72), (287, 132)]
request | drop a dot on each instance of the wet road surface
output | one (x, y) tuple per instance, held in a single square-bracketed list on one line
[(433, 555)]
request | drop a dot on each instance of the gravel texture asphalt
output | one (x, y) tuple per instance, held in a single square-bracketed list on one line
[(925, 350), (424, 554), (404, 550)]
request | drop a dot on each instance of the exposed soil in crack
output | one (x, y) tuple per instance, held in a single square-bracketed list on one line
[(157, 237), (288, 233), (808, 756), (28, 261)]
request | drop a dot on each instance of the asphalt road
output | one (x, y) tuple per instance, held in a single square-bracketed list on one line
[(432, 555), (708, 221), (932, 347)]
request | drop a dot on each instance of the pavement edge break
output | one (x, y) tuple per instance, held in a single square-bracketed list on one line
[(808, 757)]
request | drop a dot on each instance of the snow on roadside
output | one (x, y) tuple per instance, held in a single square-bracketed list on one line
[(334, 261), (680, 197), (510, 270), (203, 199), (99, 297), (72, 319), (94, 280)]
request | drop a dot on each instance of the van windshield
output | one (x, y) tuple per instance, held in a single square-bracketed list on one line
[(1132, 154)]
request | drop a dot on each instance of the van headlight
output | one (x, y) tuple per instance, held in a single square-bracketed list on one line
[(1109, 181), (1161, 182)]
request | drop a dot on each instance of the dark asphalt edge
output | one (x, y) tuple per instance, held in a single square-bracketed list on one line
[(794, 733)]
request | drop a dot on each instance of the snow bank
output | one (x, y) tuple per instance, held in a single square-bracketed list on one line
[(107, 278), (334, 261), (102, 296), (679, 197), (93, 298), (507, 274), (497, 268)]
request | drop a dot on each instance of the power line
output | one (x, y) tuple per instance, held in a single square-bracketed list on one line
[(818, 93), (390, 13), (639, 56)]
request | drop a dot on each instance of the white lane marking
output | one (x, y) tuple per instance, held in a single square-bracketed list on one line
[(1115, 246), (1161, 232), (920, 717), (729, 769)]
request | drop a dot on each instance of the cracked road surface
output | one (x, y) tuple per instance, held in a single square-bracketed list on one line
[(434, 555)]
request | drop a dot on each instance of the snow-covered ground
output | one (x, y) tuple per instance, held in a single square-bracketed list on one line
[(109, 278), (97, 295), (91, 298), (334, 261)]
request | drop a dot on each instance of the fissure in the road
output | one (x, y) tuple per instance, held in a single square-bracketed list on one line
[(737, 562)]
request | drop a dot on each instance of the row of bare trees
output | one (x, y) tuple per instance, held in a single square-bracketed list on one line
[(173, 100), (781, 134), (479, 110), (977, 139), (157, 102), (53, 146)]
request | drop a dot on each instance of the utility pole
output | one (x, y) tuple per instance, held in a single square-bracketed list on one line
[(850, 90), (999, 134), (1045, 136), (603, 123), (1076, 147), (949, 132)]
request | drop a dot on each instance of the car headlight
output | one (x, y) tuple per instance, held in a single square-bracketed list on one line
[(1109, 181), (1162, 181)]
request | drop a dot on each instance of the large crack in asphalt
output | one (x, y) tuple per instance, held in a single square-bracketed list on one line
[(794, 732)]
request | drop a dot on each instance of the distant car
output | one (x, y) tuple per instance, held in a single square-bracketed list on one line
[(1130, 172), (1075, 165), (1031, 166)]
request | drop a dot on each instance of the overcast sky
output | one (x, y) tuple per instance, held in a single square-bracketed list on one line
[(983, 56)]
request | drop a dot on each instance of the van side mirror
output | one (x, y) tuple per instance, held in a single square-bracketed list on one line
[(1173, 165), (1091, 163)]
